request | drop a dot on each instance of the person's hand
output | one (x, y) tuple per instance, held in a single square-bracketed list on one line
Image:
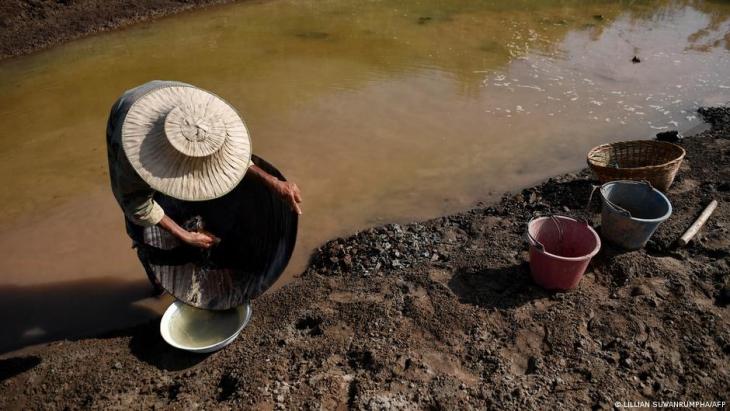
[(290, 193), (198, 239)]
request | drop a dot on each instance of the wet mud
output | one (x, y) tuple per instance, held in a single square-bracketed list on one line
[(442, 314), (30, 25)]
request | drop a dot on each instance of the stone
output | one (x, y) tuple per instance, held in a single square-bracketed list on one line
[(671, 136)]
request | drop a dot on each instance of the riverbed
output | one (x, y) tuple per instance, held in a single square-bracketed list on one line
[(381, 112), (468, 329)]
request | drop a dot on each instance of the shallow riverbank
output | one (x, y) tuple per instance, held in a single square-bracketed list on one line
[(443, 314), (30, 25)]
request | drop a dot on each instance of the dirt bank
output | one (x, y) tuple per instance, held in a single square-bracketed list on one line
[(443, 314), (30, 25)]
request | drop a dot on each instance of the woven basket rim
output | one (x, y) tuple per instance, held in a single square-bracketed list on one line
[(682, 151)]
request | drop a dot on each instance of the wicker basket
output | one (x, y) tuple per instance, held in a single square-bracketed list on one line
[(654, 161)]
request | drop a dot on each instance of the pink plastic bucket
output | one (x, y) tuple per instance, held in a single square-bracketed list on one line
[(560, 250)]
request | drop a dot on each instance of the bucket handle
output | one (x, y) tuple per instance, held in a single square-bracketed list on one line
[(557, 225), (590, 197), (533, 241), (615, 206), (648, 185)]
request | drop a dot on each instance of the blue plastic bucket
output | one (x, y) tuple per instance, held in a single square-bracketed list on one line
[(631, 212)]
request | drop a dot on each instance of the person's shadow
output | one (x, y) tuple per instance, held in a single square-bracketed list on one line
[(11, 367), (81, 309), (69, 310)]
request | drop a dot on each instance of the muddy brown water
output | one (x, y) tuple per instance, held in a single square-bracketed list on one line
[(380, 111)]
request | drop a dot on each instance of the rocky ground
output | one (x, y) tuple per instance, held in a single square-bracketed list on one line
[(443, 315), (30, 25)]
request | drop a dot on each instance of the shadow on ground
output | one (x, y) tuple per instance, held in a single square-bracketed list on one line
[(13, 366), (69, 310), (148, 346), (502, 287)]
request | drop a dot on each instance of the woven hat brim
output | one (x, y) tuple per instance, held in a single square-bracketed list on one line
[(171, 172)]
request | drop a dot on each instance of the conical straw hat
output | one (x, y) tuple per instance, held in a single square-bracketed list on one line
[(186, 143)]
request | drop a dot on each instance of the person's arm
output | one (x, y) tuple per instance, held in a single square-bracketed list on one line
[(286, 190), (143, 210), (133, 194), (192, 238)]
